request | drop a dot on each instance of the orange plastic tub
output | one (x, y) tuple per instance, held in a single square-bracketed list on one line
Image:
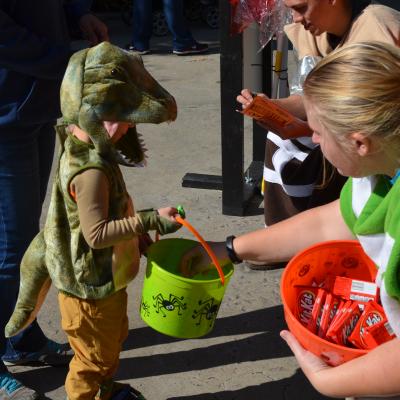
[(343, 258)]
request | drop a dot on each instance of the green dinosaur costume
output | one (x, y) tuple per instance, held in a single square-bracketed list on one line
[(104, 83)]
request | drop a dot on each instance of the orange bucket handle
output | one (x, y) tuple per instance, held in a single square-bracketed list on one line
[(207, 248)]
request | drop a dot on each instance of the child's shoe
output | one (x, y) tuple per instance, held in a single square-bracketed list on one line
[(196, 48), (52, 353), (12, 389), (128, 393), (133, 49)]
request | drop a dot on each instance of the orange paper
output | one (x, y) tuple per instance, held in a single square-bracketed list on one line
[(279, 120)]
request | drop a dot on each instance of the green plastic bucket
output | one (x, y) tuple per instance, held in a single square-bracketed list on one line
[(178, 306)]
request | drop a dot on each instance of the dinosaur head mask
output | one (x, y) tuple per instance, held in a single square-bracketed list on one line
[(108, 84)]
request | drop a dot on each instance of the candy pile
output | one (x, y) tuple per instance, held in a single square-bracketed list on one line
[(344, 311)]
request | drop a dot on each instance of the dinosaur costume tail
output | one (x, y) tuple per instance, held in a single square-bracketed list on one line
[(34, 280), (35, 283)]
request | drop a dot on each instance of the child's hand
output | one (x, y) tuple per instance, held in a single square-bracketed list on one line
[(167, 221), (161, 220), (169, 213)]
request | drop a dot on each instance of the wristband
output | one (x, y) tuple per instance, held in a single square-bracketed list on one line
[(230, 250)]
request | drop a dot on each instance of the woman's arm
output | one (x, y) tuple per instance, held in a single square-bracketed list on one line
[(375, 374), (281, 241), (294, 104)]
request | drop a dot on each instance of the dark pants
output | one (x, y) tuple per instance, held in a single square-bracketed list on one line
[(26, 156), (143, 24)]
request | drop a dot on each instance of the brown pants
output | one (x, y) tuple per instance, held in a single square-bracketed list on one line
[(96, 330)]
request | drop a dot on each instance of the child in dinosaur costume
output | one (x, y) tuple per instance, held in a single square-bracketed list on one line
[(89, 247)]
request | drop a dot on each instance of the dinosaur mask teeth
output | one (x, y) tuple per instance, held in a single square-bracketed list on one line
[(124, 160), (129, 149)]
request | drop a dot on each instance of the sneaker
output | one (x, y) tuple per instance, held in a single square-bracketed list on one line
[(197, 48), (253, 265), (128, 393), (53, 353), (133, 49), (12, 389)]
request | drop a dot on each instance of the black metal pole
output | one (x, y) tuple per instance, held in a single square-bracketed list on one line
[(231, 67), (237, 186)]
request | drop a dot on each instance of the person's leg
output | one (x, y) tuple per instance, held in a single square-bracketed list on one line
[(142, 24), (26, 158), (20, 180), (95, 361), (181, 35), (182, 39), (24, 173)]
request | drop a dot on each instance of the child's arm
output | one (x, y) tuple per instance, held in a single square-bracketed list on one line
[(91, 190), (375, 374)]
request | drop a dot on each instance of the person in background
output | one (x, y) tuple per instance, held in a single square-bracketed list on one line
[(34, 52), (182, 39), (295, 171), (352, 101)]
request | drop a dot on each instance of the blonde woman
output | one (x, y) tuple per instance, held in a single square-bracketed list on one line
[(352, 101)]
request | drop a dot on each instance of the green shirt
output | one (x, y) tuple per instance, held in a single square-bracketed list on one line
[(371, 208)]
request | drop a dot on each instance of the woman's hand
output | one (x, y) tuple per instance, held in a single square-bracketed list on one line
[(93, 29), (311, 365), (246, 97), (196, 260)]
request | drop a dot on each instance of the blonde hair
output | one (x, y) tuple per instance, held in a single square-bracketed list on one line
[(357, 89)]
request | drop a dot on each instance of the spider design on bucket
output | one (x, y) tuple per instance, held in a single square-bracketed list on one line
[(173, 302), (208, 310), (145, 308)]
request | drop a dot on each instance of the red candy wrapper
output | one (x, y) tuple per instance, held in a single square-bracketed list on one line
[(352, 289), (344, 311), (348, 323), (315, 320), (329, 311), (373, 314), (377, 334), (306, 296), (333, 330)]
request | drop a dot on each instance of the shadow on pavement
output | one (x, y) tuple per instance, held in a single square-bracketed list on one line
[(263, 320), (294, 388), (258, 347), (264, 344), (44, 379)]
